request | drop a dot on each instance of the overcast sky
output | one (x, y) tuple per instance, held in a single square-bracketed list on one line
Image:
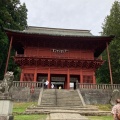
[(70, 14)]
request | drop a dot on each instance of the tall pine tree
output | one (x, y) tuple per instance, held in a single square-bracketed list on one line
[(111, 26), (13, 15)]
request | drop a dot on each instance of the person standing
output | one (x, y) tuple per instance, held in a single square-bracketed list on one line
[(52, 86), (116, 110), (46, 84)]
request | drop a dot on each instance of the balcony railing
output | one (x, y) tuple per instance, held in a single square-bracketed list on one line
[(98, 86), (58, 57)]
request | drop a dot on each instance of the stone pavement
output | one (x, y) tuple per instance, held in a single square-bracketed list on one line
[(66, 116)]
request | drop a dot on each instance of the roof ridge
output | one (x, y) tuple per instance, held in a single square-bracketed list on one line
[(69, 29)]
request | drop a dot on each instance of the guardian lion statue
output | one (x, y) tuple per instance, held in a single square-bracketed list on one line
[(7, 82)]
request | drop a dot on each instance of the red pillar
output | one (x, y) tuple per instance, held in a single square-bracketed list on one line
[(68, 80), (35, 75), (49, 78), (8, 54), (81, 77), (65, 84), (21, 76), (94, 78)]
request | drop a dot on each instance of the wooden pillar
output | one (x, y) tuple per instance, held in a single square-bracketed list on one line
[(111, 80), (21, 76), (68, 80), (35, 75), (81, 77), (94, 78), (8, 57), (49, 78), (65, 83)]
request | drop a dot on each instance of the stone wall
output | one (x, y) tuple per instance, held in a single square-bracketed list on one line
[(90, 96), (96, 96), (25, 94)]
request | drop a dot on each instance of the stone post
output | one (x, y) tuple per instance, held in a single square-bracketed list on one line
[(6, 102), (6, 106)]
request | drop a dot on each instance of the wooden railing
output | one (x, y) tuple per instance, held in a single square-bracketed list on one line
[(98, 86), (44, 56), (27, 84)]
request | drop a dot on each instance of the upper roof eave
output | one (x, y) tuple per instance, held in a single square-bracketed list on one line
[(64, 35)]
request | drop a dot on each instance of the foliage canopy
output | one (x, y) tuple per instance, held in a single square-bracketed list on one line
[(13, 15), (111, 26)]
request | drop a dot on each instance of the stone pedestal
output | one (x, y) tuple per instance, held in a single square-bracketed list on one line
[(6, 107)]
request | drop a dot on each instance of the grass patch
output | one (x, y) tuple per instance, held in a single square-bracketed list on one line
[(21, 106), (100, 117), (29, 117), (106, 107)]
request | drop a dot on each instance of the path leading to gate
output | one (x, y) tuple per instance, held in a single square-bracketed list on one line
[(66, 116)]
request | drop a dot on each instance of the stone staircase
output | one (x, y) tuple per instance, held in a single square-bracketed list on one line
[(48, 97), (68, 98), (63, 101), (58, 98)]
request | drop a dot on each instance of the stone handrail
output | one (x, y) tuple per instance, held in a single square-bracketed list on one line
[(98, 86), (27, 84), (79, 85)]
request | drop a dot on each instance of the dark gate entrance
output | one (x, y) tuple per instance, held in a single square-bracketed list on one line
[(58, 81), (73, 79)]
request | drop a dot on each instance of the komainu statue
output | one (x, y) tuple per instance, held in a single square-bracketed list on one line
[(7, 83)]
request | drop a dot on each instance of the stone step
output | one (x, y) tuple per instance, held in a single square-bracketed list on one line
[(51, 104), (48, 103), (44, 102), (48, 99), (48, 94), (52, 98), (67, 105), (67, 96), (66, 116), (68, 99), (70, 103), (85, 113), (54, 107), (80, 108), (45, 96)]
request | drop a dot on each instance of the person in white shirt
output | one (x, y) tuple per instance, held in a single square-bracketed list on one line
[(52, 86), (46, 83)]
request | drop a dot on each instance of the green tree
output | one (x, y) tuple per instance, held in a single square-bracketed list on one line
[(111, 26), (13, 15)]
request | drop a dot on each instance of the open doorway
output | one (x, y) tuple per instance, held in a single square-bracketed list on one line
[(58, 81), (73, 79)]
